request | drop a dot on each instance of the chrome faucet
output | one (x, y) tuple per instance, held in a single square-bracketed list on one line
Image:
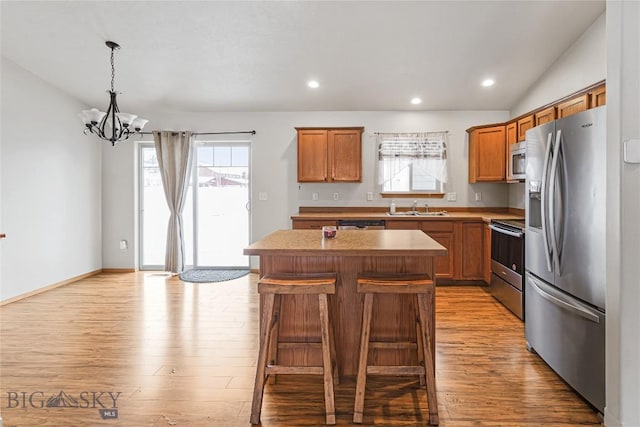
[(426, 207), (414, 208)]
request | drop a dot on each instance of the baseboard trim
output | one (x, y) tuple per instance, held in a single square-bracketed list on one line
[(118, 270), (48, 288), (254, 270)]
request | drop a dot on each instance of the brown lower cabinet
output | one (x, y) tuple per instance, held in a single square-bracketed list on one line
[(471, 250), (465, 241), (443, 233)]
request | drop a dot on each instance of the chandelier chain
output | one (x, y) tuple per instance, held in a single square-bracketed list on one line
[(113, 72)]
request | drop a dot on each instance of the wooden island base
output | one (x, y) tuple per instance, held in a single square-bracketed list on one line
[(353, 252)]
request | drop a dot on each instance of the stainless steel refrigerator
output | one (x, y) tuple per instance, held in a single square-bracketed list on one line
[(565, 249)]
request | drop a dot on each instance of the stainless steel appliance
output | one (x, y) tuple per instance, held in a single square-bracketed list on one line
[(565, 247), (507, 264), (361, 224), (517, 161)]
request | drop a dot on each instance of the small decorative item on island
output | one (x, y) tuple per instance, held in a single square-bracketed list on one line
[(329, 231)]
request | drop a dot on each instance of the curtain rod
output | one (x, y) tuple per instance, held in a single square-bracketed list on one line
[(429, 131), (252, 132)]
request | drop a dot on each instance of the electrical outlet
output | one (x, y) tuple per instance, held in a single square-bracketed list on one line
[(451, 197), (123, 245), (314, 196), (336, 196), (478, 196), (262, 195), (369, 196)]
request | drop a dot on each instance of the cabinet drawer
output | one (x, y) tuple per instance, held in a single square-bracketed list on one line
[(311, 224), (437, 226)]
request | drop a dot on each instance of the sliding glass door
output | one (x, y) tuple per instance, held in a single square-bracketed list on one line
[(222, 205), (217, 210)]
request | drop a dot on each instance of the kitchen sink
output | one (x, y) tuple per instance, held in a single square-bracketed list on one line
[(418, 213)]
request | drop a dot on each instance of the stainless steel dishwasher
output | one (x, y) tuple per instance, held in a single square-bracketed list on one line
[(361, 224)]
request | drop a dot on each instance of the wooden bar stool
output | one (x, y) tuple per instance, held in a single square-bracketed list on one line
[(273, 286), (423, 287)]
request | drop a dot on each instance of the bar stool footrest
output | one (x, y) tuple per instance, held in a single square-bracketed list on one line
[(395, 370), (294, 370)]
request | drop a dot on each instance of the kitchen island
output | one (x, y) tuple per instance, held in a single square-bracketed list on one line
[(350, 253)]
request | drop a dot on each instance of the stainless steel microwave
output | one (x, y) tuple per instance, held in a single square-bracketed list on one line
[(517, 161)]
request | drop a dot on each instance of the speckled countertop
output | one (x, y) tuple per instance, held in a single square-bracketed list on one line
[(347, 243), (486, 216)]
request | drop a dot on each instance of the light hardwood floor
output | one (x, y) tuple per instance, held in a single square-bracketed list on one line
[(184, 354)]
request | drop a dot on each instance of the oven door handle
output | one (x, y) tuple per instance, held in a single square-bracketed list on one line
[(504, 231)]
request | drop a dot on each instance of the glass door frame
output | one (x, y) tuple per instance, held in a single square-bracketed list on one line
[(195, 196), (193, 182)]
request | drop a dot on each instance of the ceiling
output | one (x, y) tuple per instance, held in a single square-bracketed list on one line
[(206, 56)]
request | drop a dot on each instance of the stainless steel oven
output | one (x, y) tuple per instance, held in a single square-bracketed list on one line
[(507, 264)]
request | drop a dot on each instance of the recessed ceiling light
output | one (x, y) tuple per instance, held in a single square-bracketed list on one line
[(488, 82), (313, 84), (416, 101)]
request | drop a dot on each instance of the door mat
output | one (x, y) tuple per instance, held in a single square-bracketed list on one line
[(211, 276)]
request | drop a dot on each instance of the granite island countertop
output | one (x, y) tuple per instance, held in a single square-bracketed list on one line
[(347, 243)]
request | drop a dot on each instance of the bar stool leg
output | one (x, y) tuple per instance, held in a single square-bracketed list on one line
[(272, 356), (420, 344), (425, 330), (258, 389), (329, 400), (334, 357), (361, 383)]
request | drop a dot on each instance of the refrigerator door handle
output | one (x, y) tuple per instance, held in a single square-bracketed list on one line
[(552, 187), (543, 203), (563, 304)]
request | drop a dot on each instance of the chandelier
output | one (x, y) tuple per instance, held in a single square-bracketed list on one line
[(113, 125)]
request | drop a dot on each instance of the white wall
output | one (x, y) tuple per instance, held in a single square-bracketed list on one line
[(582, 64), (274, 166), (623, 211), (50, 186), (119, 198)]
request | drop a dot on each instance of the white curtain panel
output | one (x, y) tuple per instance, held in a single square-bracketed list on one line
[(175, 154), (426, 150)]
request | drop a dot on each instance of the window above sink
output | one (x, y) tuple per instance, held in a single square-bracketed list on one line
[(412, 163)]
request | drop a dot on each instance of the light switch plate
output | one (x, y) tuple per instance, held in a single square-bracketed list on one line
[(451, 197), (262, 195), (369, 196), (314, 196), (336, 196), (632, 151)]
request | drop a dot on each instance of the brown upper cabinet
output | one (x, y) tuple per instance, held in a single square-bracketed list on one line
[(524, 124), (573, 105), (512, 133), (488, 161), (487, 154), (598, 96), (545, 116), (330, 154)]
